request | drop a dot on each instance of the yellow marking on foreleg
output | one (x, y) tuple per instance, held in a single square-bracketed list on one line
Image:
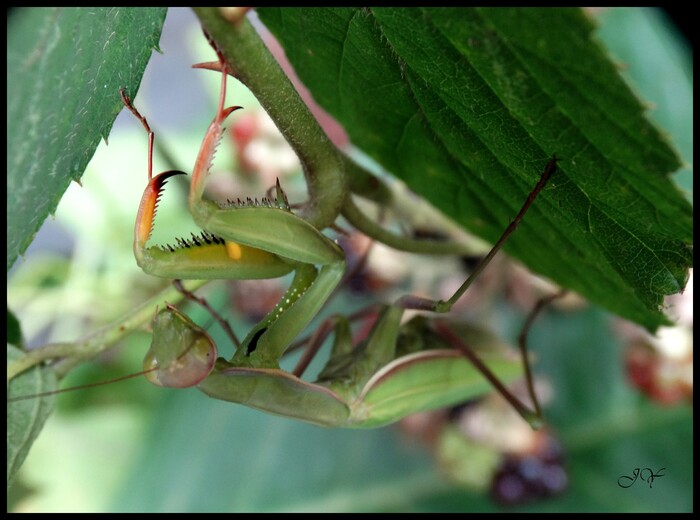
[(234, 250)]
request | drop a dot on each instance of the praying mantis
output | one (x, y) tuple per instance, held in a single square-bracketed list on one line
[(398, 370)]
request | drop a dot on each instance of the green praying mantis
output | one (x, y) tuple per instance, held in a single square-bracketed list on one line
[(398, 370)]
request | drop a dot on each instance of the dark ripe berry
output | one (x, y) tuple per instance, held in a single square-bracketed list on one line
[(531, 476), (554, 479), (551, 451), (508, 489), (530, 469)]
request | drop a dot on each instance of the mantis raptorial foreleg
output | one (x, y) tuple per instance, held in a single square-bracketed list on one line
[(247, 240)]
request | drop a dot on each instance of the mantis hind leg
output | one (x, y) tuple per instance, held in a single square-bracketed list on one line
[(443, 306), (532, 416)]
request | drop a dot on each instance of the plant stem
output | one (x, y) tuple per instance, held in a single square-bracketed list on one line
[(100, 340), (254, 65), (411, 245)]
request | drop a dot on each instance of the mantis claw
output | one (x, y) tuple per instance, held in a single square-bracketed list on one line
[(147, 209), (228, 111)]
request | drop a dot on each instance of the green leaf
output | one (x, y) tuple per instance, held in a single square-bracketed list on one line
[(14, 331), (26, 418), (467, 106), (64, 70), (658, 66)]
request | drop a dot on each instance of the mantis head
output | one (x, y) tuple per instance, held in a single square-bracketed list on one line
[(182, 354)]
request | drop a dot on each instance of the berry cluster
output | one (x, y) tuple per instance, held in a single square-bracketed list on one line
[(523, 478)]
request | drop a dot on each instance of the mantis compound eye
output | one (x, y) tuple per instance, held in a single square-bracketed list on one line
[(181, 354)]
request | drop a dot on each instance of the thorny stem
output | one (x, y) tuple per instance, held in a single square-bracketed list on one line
[(253, 64)]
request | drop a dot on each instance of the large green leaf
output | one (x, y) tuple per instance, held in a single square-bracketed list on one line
[(64, 70), (467, 105)]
